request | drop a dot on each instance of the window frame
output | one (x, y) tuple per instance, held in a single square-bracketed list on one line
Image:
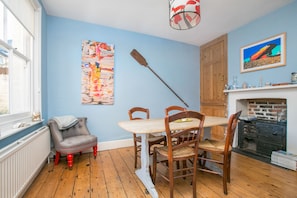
[(9, 123)]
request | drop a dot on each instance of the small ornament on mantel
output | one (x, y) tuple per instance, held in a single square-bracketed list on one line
[(294, 77), (244, 85)]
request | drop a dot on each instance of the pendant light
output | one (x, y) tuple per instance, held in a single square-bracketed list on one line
[(184, 14)]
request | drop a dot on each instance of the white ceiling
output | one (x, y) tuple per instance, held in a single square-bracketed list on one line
[(152, 16)]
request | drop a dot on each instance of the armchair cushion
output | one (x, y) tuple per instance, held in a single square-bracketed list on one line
[(77, 143)]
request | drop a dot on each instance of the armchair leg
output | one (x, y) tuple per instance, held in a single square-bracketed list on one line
[(57, 158), (70, 160), (95, 151)]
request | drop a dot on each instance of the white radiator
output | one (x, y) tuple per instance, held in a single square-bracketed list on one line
[(21, 161)]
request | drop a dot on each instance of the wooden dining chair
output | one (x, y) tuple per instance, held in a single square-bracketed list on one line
[(174, 109), (219, 152), (137, 113), (170, 110), (183, 150)]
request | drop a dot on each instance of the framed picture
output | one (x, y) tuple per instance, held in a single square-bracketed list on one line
[(264, 54), (97, 73)]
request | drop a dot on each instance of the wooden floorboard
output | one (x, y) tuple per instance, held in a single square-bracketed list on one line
[(111, 175)]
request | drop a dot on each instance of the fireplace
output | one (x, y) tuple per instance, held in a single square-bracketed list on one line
[(238, 99)]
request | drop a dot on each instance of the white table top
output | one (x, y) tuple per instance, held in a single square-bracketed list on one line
[(158, 125)]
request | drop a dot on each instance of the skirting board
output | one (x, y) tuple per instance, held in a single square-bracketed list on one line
[(115, 144)]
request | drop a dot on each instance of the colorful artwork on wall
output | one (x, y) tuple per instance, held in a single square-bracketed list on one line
[(97, 66), (264, 54)]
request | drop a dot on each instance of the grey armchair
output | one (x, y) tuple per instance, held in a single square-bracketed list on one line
[(74, 139)]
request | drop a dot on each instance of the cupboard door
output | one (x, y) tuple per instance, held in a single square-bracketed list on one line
[(213, 71), (217, 132), (213, 77)]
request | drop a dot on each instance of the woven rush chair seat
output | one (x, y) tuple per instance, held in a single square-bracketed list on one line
[(179, 153), (213, 145)]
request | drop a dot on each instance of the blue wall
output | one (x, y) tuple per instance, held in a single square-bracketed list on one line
[(176, 63), (282, 20)]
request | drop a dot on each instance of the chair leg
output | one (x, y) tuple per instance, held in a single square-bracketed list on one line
[(185, 167), (95, 151), (150, 169), (135, 160), (225, 177), (228, 173), (70, 160), (193, 183), (228, 168), (171, 179), (57, 158), (165, 141), (225, 183), (177, 165), (154, 167), (135, 155), (201, 161)]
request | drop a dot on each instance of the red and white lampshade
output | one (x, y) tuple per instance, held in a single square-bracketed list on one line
[(184, 14)]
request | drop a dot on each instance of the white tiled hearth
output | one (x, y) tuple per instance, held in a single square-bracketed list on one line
[(288, 92)]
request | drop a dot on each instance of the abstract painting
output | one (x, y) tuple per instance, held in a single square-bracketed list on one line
[(97, 67), (264, 54)]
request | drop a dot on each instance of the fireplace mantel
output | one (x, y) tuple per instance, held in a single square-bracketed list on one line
[(266, 88), (288, 92)]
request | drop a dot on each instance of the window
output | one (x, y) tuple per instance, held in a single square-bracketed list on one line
[(19, 62)]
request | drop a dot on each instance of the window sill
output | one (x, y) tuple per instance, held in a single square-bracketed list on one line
[(12, 131)]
